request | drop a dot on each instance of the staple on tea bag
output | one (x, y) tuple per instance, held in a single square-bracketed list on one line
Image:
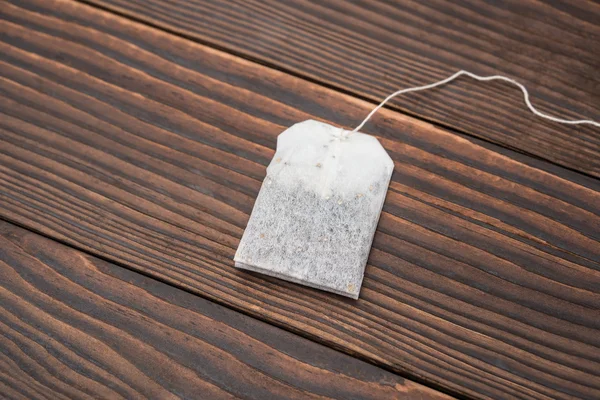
[(316, 213)]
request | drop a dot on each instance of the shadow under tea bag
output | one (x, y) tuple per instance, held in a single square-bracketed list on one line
[(317, 210)]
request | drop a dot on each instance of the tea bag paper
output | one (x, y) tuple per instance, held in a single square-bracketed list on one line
[(317, 210)]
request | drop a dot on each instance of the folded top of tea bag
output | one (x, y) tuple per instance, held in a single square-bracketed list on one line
[(316, 213)]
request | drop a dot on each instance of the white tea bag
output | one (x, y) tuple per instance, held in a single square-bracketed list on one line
[(317, 210)]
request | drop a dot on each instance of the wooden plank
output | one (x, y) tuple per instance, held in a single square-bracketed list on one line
[(372, 48), (149, 150), (73, 326)]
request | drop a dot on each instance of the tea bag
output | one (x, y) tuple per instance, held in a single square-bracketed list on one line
[(317, 210), (315, 216)]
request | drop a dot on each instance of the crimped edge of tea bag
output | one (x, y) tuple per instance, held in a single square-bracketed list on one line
[(242, 265)]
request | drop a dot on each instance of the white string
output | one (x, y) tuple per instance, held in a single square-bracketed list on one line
[(479, 78)]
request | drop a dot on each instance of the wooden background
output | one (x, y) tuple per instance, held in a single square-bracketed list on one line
[(139, 132)]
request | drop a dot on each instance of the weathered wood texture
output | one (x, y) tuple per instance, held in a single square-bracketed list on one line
[(73, 326), (149, 149), (373, 48)]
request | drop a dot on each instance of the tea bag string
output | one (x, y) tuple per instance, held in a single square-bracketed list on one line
[(483, 79)]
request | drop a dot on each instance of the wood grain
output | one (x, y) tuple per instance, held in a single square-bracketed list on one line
[(149, 150), (372, 48), (76, 327)]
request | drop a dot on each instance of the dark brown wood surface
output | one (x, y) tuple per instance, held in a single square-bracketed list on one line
[(76, 327), (148, 149), (372, 48)]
